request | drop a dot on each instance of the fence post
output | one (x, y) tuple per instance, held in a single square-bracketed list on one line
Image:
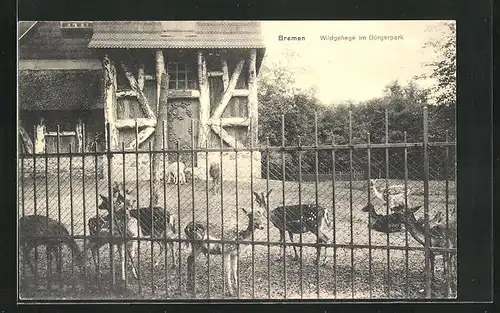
[(109, 156), (428, 274)]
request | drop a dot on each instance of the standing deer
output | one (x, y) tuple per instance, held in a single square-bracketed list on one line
[(297, 219), (198, 234), (38, 230), (440, 236), (123, 226)]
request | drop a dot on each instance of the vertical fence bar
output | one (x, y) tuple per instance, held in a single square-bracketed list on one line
[(109, 156), (237, 219), (125, 230), (370, 269), (447, 235), (208, 215), (72, 228), (47, 213), (350, 204), (23, 213), (84, 209), (177, 159), (164, 165), (137, 201), (268, 224), (251, 187), (428, 278), (333, 219), (192, 182), (152, 176), (316, 183), (387, 201), (283, 190), (221, 143), (407, 258), (98, 268), (35, 193), (58, 181), (301, 283)]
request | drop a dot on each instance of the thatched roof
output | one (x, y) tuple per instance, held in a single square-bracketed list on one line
[(60, 89)]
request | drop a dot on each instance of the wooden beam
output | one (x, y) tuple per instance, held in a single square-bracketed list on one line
[(110, 100), (225, 74), (228, 139), (160, 139), (141, 98), (79, 135), (126, 93), (142, 136), (130, 123), (215, 73), (204, 111), (62, 134), (140, 77), (160, 68), (230, 121), (228, 93), (253, 105), (241, 93)]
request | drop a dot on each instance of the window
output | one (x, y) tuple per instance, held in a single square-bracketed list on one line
[(76, 29), (181, 76)]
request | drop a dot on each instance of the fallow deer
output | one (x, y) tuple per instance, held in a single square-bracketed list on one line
[(197, 234)]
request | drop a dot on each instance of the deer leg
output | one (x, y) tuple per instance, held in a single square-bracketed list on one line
[(162, 249), (227, 274), (172, 253), (131, 247), (282, 239), (296, 257), (190, 267), (234, 268)]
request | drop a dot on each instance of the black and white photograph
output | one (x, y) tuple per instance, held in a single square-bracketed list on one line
[(237, 159)]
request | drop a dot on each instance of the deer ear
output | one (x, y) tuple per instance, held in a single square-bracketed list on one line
[(257, 196), (244, 210), (103, 198), (269, 192)]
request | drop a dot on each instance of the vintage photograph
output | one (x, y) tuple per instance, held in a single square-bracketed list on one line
[(178, 160)]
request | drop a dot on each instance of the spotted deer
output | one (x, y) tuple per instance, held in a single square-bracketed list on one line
[(297, 219), (197, 234)]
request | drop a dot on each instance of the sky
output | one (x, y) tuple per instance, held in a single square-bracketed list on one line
[(354, 70)]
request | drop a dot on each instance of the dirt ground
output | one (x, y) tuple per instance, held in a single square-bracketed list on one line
[(360, 272)]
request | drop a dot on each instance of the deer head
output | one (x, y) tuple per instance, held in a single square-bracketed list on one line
[(262, 199), (256, 218)]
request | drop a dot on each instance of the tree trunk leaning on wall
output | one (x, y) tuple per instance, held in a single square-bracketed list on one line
[(162, 115)]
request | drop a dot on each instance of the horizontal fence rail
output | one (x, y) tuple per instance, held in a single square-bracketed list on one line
[(328, 220)]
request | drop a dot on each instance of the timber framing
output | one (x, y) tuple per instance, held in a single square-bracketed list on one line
[(110, 100)]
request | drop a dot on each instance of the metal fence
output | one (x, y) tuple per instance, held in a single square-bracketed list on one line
[(361, 262)]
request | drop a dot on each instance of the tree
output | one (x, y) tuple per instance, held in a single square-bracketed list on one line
[(444, 68)]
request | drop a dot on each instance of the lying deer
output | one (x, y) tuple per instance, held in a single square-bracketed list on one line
[(176, 168), (198, 234), (215, 175), (390, 223), (34, 231), (438, 235), (299, 219), (123, 226)]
